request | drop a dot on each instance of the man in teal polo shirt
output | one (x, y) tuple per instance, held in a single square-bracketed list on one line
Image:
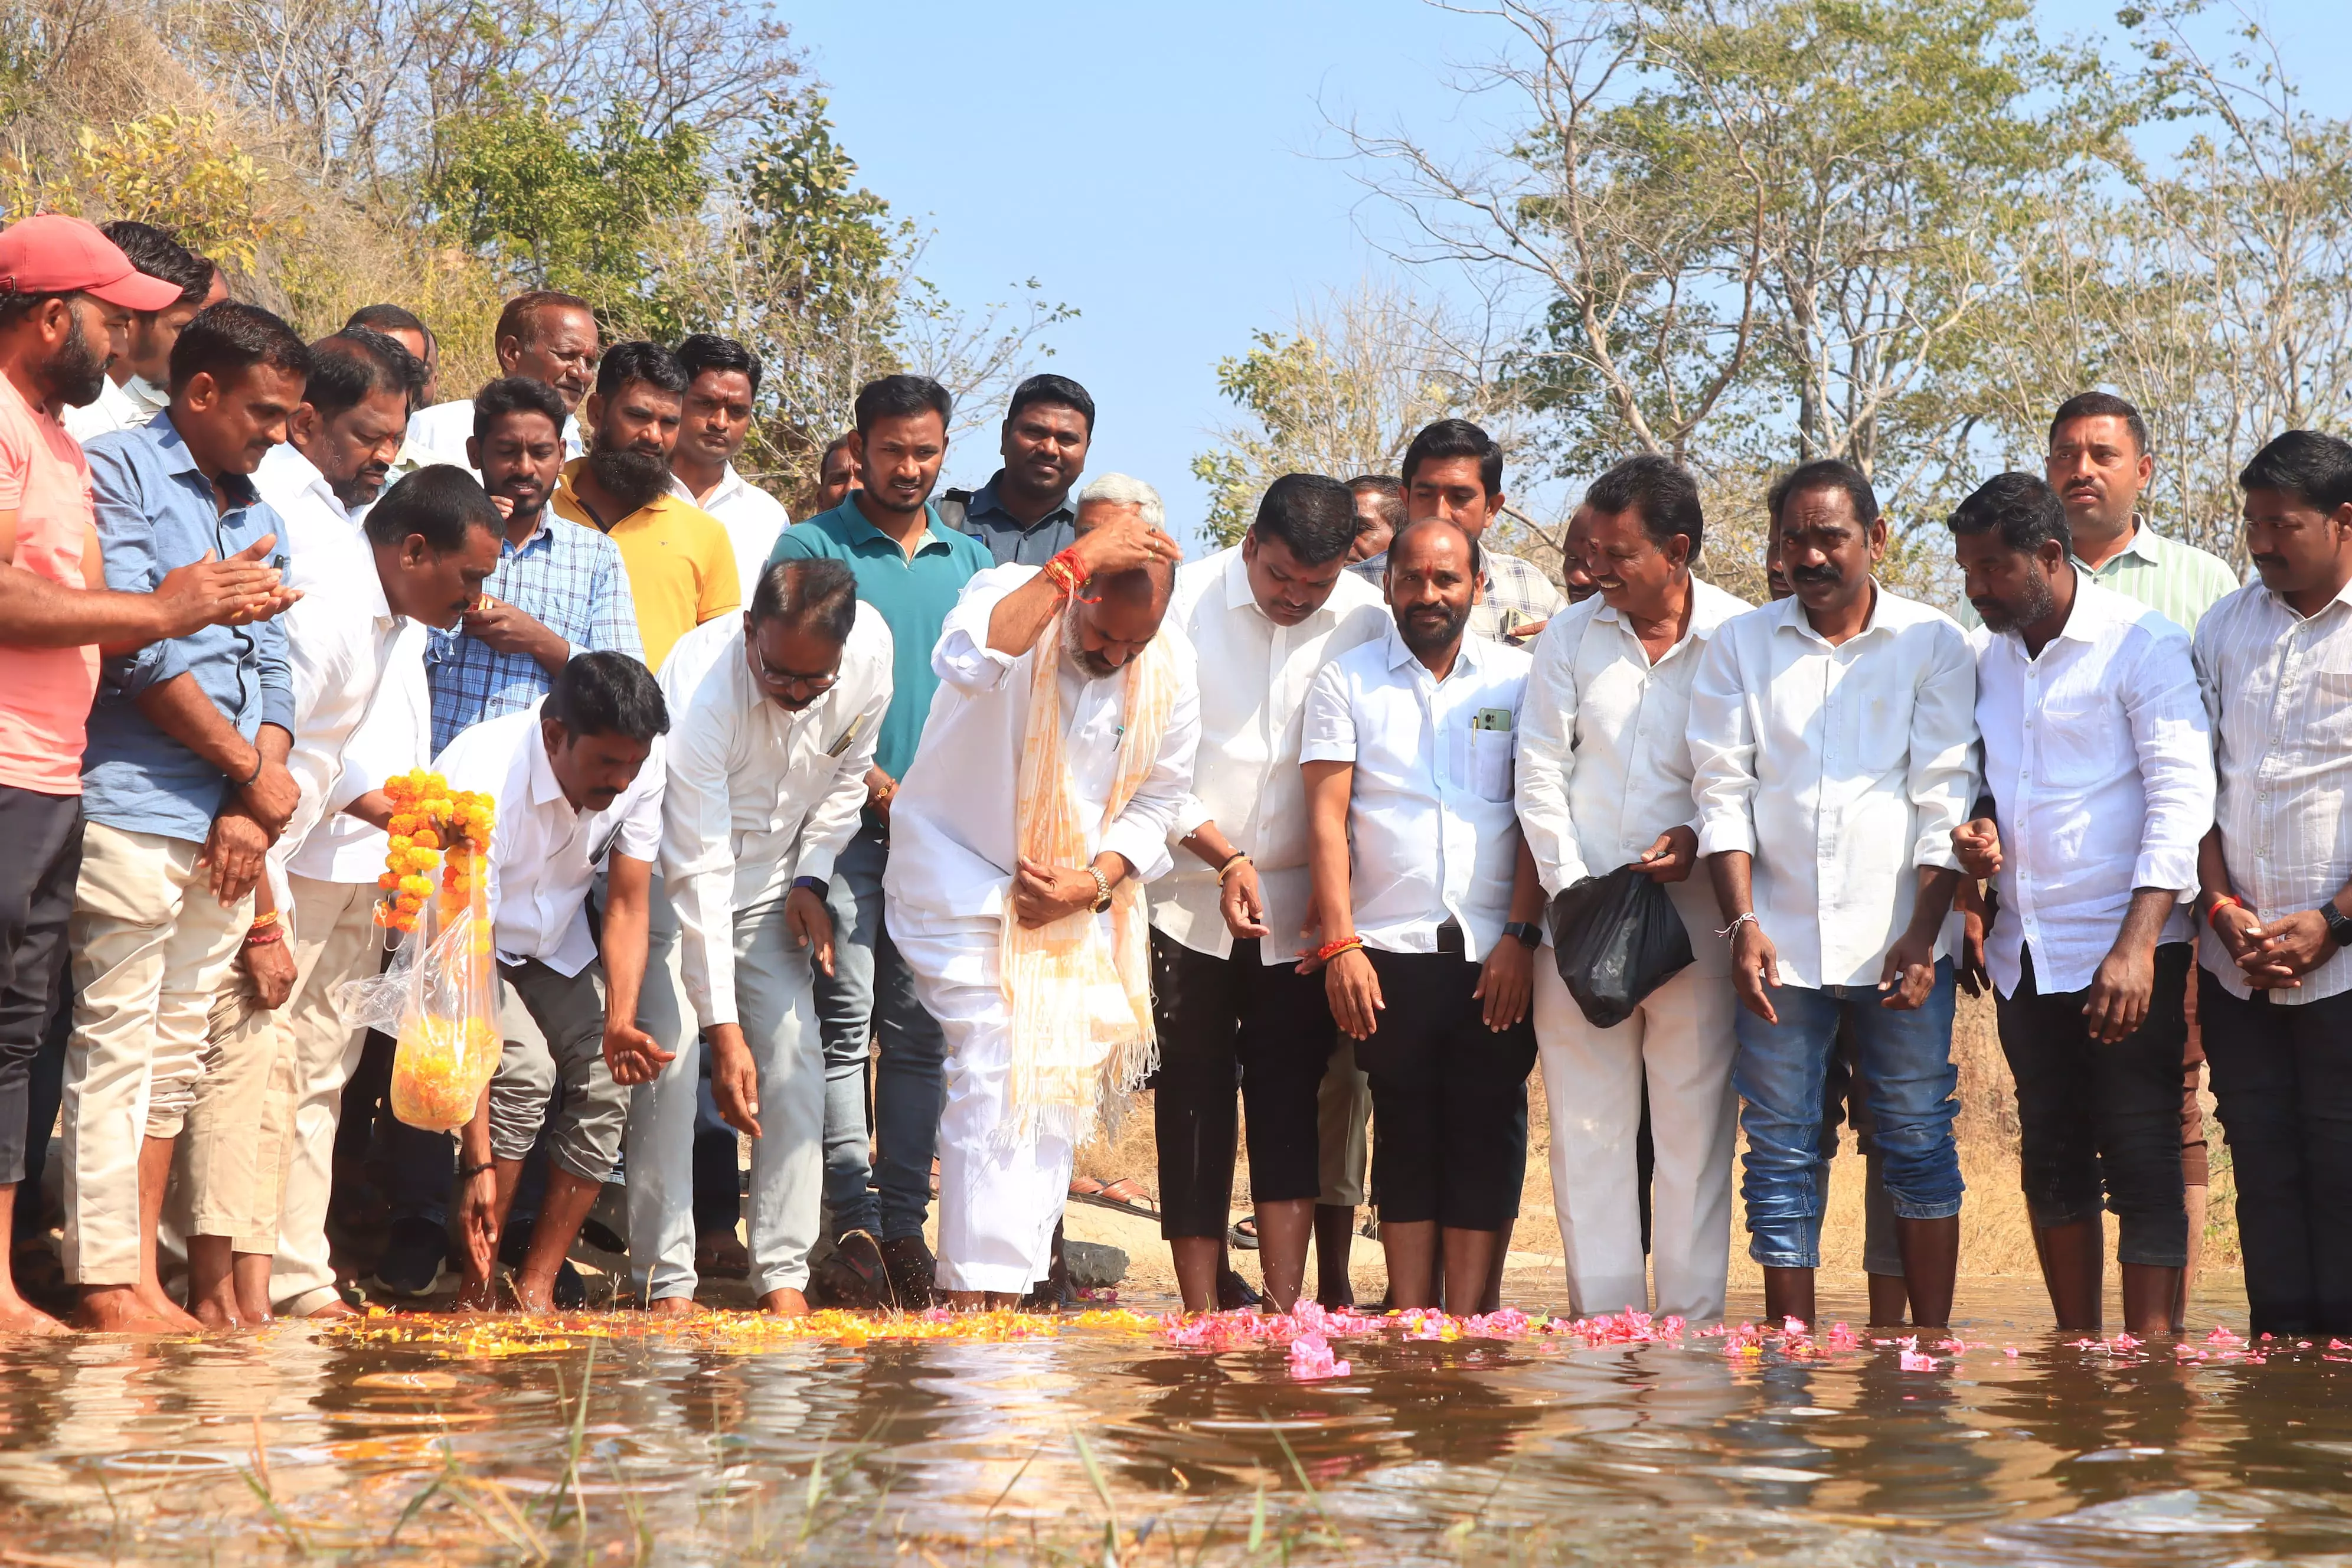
[(912, 568)]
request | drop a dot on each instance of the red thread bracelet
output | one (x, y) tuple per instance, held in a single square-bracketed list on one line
[(2225, 901), (1331, 950)]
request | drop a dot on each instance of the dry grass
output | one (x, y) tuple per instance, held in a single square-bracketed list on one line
[(1996, 1237)]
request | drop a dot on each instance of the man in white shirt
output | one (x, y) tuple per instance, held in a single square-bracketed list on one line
[(1830, 739), (775, 720), (544, 334), (1263, 617), (2274, 663), (1057, 757), (2098, 763), (1605, 781), (259, 1157), (578, 785), (1424, 905), (722, 378), (138, 383)]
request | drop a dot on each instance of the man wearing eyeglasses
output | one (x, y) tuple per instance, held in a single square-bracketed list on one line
[(777, 716)]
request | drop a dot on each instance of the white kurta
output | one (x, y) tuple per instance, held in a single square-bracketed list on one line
[(952, 857)]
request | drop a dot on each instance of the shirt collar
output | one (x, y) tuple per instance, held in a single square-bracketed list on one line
[(863, 531), (984, 501), (1792, 616), (545, 788), (178, 459), (1473, 652), (565, 489), (2343, 597), (305, 475)]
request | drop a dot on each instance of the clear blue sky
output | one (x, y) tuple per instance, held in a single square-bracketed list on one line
[(1169, 170)]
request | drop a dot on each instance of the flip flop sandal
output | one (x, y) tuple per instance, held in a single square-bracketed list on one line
[(1242, 1234), (1126, 1194)]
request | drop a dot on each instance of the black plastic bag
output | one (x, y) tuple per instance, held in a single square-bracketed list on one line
[(1617, 939)]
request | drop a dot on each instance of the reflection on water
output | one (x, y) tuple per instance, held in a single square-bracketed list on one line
[(293, 1445)]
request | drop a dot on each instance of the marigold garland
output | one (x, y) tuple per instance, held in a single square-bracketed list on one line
[(433, 829)]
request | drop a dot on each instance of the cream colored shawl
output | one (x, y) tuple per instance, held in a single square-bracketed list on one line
[(1080, 1004)]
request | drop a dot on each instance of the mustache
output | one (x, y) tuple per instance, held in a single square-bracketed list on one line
[(1812, 573)]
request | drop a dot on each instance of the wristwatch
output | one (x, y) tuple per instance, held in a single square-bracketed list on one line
[(2339, 924), (1530, 935), (817, 885), (1102, 891)]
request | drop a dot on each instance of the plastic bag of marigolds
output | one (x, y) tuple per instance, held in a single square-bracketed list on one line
[(439, 999)]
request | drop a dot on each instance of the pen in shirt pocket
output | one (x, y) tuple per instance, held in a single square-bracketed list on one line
[(838, 747)]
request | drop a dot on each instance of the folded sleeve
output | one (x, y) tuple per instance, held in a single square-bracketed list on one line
[(2174, 743), (1328, 727), (1723, 749), (1547, 757), (1942, 780), (963, 658)]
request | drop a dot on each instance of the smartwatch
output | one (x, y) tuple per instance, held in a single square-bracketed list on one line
[(2339, 924), (817, 885), (1529, 934)]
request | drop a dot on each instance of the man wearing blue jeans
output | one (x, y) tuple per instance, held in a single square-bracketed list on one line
[(1831, 734), (912, 568)]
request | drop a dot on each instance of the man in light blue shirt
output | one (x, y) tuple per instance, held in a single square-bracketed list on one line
[(184, 784)]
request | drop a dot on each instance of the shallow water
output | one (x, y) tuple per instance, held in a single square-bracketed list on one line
[(295, 1443)]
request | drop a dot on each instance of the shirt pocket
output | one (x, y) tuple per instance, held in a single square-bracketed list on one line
[(1491, 752), (2078, 746)]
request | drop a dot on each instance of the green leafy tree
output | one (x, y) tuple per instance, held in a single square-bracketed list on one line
[(554, 202)]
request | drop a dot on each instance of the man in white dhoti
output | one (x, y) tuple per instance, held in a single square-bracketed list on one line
[(1057, 756)]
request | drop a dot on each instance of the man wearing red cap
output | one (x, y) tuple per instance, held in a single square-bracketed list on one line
[(67, 297)]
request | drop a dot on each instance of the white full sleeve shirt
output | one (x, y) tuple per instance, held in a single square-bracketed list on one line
[(2100, 765), (751, 517), (1254, 677), (544, 854), (2278, 687), (755, 796), (1433, 833), (1604, 752), (1842, 770), (341, 639), (953, 838)]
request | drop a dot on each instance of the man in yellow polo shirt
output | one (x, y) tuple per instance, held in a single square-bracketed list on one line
[(680, 561)]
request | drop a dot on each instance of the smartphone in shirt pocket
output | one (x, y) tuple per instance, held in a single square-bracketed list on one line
[(1492, 743)]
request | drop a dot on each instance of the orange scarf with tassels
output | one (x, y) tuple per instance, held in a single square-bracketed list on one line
[(1080, 1004)]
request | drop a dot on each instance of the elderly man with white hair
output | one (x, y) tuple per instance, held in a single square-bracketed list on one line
[(1057, 756)]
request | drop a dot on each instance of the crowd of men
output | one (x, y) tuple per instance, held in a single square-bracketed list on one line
[(836, 835)]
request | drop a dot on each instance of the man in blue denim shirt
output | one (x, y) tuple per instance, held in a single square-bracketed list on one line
[(184, 784)]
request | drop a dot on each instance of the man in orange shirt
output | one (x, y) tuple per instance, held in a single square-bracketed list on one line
[(67, 297)]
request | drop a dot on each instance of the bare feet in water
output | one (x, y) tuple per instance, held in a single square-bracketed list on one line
[(18, 1316), (785, 1304), (123, 1310), (674, 1307)]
